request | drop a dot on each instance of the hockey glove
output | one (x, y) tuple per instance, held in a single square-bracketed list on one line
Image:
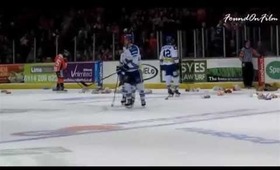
[(120, 70)]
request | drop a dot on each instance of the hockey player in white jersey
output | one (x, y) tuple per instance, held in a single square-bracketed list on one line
[(121, 76), (131, 61), (169, 61), (121, 73)]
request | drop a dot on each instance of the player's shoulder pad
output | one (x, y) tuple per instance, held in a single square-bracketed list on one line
[(165, 46), (133, 48)]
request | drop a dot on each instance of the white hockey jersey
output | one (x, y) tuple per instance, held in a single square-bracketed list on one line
[(168, 55), (131, 58)]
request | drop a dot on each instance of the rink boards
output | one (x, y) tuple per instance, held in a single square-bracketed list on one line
[(194, 73)]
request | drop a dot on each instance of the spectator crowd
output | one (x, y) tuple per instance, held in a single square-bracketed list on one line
[(97, 32)]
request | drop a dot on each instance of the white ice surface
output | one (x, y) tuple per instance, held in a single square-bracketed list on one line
[(165, 132)]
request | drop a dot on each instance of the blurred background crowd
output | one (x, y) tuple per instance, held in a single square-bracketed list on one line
[(96, 32)]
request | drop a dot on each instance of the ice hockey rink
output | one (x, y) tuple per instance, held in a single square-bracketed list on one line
[(45, 128)]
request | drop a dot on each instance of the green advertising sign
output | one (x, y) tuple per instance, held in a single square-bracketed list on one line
[(223, 74), (39, 73), (273, 70), (194, 71)]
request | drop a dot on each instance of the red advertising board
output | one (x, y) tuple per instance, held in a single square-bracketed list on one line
[(11, 73)]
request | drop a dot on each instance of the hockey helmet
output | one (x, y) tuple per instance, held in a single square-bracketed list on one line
[(169, 39), (129, 37)]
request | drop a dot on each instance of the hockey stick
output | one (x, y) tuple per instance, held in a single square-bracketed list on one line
[(83, 88), (78, 83), (87, 85), (166, 98), (112, 105)]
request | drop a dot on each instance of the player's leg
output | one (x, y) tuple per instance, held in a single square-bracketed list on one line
[(244, 74), (128, 89), (57, 85), (140, 86), (61, 81), (128, 94), (134, 88), (123, 94), (168, 78), (121, 78), (141, 90), (175, 78), (250, 74), (57, 81)]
